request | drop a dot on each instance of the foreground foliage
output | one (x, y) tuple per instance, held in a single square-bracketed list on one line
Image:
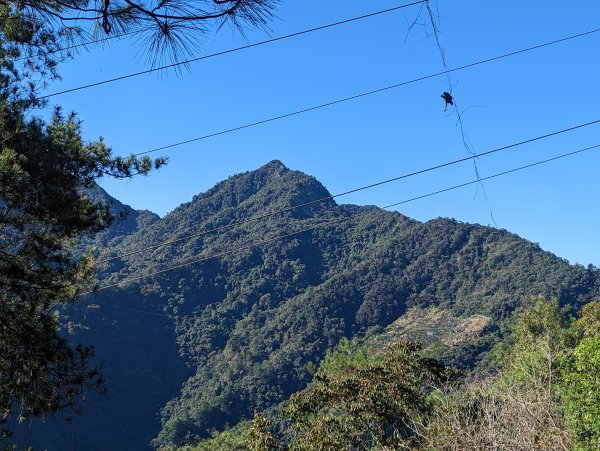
[(362, 399), (46, 171), (581, 380), (543, 395), (520, 407)]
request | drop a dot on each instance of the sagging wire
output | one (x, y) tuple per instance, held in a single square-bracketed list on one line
[(450, 99)]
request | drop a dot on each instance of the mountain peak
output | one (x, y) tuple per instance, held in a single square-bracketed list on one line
[(274, 166), (269, 172), (271, 186), (284, 188)]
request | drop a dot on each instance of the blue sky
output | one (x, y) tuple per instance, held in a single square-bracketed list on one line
[(380, 136)]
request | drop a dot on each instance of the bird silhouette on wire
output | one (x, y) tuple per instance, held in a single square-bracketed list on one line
[(448, 99)]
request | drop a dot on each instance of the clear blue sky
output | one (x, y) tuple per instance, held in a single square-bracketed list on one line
[(380, 136)]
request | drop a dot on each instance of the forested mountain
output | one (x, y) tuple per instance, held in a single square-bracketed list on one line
[(249, 321)]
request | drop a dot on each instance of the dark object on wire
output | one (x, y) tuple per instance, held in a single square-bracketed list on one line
[(448, 99)]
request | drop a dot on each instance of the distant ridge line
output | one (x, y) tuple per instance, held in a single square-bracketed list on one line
[(354, 190), (258, 243)]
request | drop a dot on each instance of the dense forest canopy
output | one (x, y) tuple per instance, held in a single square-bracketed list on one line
[(385, 395), (249, 322)]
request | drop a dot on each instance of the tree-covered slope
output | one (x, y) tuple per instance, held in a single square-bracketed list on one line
[(134, 343), (250, 320)]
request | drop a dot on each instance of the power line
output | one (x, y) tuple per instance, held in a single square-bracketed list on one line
[(270, 240), (364, 94), (236, 49), (362, 188), (510, 171)]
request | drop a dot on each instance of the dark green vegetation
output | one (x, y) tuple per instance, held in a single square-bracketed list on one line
[(47, 175), (365, 399), (46, 168), (250, 321), (137, 353), (387, 396)]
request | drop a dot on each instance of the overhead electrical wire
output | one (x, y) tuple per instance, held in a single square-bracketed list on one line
[(287, 235), (510, 171), (236, 49), (445, 72), (212, 55), (354, 190), (364, 94)]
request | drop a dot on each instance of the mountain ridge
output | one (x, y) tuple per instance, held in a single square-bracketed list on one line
[(248, 323)]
